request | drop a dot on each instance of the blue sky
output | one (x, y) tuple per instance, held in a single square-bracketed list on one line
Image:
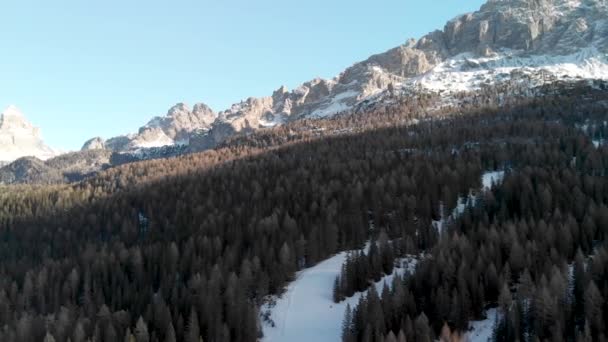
[(79, 69)]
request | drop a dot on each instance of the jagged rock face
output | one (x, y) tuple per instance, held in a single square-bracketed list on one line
[(548, 27), (19, 138), (502, 37), (535, 26), (96, 143), (173, 128), (119, 143), (180, 120)]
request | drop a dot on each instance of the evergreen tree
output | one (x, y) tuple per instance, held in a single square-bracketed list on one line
[(170, 334), (193, 332)]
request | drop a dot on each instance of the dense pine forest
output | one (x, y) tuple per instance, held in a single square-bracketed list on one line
[(188, 248)]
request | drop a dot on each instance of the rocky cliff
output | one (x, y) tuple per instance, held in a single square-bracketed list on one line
[(19, 138), (565, 38)]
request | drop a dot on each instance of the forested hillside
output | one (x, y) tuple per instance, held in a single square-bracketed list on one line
[(187, 248)]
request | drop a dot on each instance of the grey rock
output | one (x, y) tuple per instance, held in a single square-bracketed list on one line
[(19, 138), (96, 143), (526, 27), (29, 170)]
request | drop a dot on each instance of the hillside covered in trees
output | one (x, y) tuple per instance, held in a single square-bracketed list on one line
[(187, 248)]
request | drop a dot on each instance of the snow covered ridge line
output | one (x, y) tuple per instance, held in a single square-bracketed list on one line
[(535, 42), (467, 72)]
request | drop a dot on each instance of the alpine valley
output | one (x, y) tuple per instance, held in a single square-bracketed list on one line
[(453, 188)]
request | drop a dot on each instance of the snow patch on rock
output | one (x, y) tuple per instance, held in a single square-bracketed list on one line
[(468, 72)]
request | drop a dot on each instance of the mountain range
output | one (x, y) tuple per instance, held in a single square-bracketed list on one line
[(528, 41)]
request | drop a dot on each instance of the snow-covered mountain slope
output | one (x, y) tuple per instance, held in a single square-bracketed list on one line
[(19, 138), (530, 41)]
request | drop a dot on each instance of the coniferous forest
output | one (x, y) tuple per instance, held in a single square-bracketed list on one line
[(188, 248)]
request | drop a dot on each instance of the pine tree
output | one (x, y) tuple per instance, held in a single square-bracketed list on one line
[(78, 335), (110, 333), (347, 325), (129, 337), (170, 334), (49, 338), (593, 308), (422, 329), (337, 291), (141, 331), (401, 336), (193, 333), (505, 299)]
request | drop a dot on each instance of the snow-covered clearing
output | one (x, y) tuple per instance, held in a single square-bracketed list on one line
[(598, 142), (481, 331), (306, 311), (488, 178), (491, 178), (462, 204)]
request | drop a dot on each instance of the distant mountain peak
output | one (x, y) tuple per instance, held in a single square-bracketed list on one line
[(12, 110), (19, 138)]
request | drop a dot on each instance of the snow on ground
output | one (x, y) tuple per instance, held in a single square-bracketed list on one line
[(306, 311), (481, 331), (462, 204), (274, 120), (491, 178), (598, 142), (336, 105), (487, 179), (159, 141), (467, 72)]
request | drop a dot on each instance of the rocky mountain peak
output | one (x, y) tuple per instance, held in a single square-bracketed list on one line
[(12, 110), (173, 128), (19, 138), (178, 109), (201, 109), (564, 38), (96, 143), (12, 118)]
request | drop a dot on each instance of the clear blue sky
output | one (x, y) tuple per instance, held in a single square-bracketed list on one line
[(79, 69)]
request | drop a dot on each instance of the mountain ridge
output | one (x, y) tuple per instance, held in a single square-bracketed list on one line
[(565, 38), (533, 41)]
